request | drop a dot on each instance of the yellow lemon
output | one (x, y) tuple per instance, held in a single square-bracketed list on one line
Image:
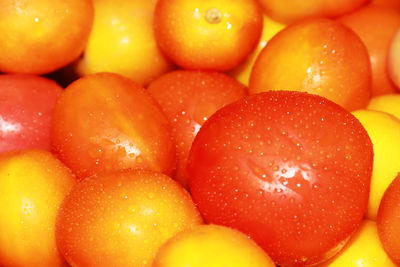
[(384, 131)]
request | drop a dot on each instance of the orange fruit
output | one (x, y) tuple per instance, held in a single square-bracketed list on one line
[(122, 41), (318, 56), (121, 219), (33, 183), (207, 34), (376, 27), (40, 36), (289, 11)]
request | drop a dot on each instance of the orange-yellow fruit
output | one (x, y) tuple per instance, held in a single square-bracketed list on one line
[(33, 183), (40, 36)]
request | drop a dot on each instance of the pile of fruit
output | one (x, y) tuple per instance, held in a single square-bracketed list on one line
[(199, 133)]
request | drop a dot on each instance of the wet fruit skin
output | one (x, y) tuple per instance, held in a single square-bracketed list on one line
[(286, 168), (318, 56), (376, 26), (188, 98), (121, 219), (388, 220), (26, 111), (33, 184), (207, 35), (40, 36), (104, 122)]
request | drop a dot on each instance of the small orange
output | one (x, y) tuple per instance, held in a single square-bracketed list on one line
[(207, 34)]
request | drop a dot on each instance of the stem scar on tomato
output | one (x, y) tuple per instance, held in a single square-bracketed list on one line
[(213, 15)]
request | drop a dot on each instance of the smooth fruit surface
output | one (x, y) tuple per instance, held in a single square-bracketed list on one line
[(207, 34), (104, 122), (363, 249), (40, 36), (33, 184), (122, 41), (188, 99), (26, 111), (318, 56), (289, 11), (376, 26), (384, 131), (286, 168), (211, 246), (389, 103), (121, 219)]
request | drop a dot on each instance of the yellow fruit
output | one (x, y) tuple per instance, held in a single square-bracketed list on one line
[(211, 246), (364, 249), (242, 72), (122, 41), (389, 103), (384, 131)]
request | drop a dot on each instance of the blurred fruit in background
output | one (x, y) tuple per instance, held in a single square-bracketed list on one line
[(242, 72), (122, 41), (376, 26), (289, 11), (41, 36), (389, 103)]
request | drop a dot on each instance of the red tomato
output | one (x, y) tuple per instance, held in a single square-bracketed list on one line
[(121, 219), (26, 110), (106, 122), (389, 220), (290, 169), (188, 98)]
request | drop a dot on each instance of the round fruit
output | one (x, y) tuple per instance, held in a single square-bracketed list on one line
[(389, 220), (121, 219), (317, 56), (105, 122), (289, 11), (286, 168), (389, 103), (40, 36), (376, 27), (211, 246), (207, 34), (33, 184), (26, 111), (122, 41)]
